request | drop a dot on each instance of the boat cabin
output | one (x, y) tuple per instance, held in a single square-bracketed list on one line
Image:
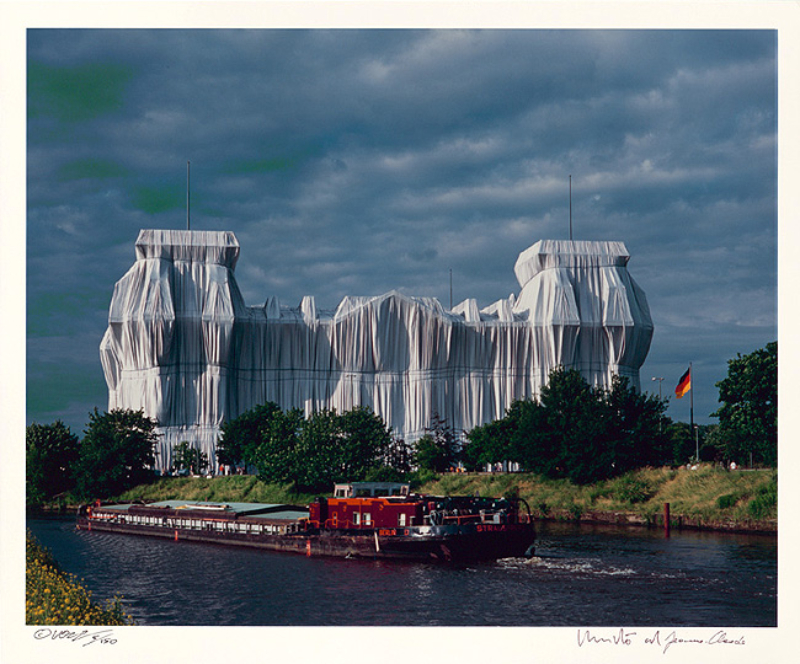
[(388, 506), (367, 505), (371, 489)]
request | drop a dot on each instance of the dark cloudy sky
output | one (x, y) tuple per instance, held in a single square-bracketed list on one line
[(353, 162)]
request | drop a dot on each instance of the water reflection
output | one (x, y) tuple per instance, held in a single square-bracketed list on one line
[(581, 576)]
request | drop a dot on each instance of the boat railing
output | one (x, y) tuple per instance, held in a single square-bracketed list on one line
[(347, 524), (460, 519), (487, 517)]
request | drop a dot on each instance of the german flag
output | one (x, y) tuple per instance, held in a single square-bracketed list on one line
[(684, 384)]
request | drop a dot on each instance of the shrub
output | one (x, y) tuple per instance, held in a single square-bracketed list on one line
[(631, 490), (383, 474), (421, 477), (764, 502), (728, 500), (602, 490), (53, 597)]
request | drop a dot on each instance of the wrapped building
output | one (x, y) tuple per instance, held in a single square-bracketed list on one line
[(183, 346)]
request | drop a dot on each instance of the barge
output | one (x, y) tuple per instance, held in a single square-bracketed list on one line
[(361, 519)]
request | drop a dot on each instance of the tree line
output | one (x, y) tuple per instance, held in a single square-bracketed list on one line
[(312, 452), (573, 430), (117, 453)]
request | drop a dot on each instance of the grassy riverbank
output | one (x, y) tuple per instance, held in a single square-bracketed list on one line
[(53, 597), (230, 489), (706, 498)]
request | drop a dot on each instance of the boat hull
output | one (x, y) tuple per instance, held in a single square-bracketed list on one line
[(447, 543)]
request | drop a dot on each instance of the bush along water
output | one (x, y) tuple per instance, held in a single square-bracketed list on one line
[(765, 501), (53, 597)]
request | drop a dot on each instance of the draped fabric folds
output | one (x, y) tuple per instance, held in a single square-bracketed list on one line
[(182, 345)]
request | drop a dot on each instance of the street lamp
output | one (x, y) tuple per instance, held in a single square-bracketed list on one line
[(660, 380)]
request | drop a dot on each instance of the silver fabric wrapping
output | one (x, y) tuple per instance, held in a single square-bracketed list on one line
[(182, 345)]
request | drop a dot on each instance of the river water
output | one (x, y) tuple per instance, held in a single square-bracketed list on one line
[(582, 575)]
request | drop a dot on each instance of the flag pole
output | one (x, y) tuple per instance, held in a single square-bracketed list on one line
[(686, 384), (691, 415)]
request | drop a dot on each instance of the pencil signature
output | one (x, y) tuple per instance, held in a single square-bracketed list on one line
[(664, 641), (104, 637)]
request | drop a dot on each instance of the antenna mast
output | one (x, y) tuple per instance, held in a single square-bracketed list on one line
[(570, 208), (451, 288), (188, 164)]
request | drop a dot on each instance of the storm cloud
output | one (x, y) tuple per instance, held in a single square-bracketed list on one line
[(354, 162)]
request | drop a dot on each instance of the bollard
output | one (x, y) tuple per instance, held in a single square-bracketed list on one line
[(666, 519)]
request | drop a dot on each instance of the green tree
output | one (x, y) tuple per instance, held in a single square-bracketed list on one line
[(633, 435), (320, 457), (572, 438), (437, 450), (525, 419), (117, 453), (314, 452), (51, 451), (186, 457), (711, 446), (748, 417), (277, 455), (575, 431), (339, 448), (366, 441), (240, 436), (680, 441), (492, 442), (429, 455), (399, 458), (384, 474)]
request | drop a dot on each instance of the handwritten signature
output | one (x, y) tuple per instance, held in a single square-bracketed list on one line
[(104, 637), (665, 641)]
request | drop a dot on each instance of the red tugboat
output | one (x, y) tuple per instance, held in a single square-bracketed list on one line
[(362, 519)]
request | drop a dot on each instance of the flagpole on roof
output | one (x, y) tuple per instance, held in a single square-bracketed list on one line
[(187, 194), (570, 208), (451, 288)]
